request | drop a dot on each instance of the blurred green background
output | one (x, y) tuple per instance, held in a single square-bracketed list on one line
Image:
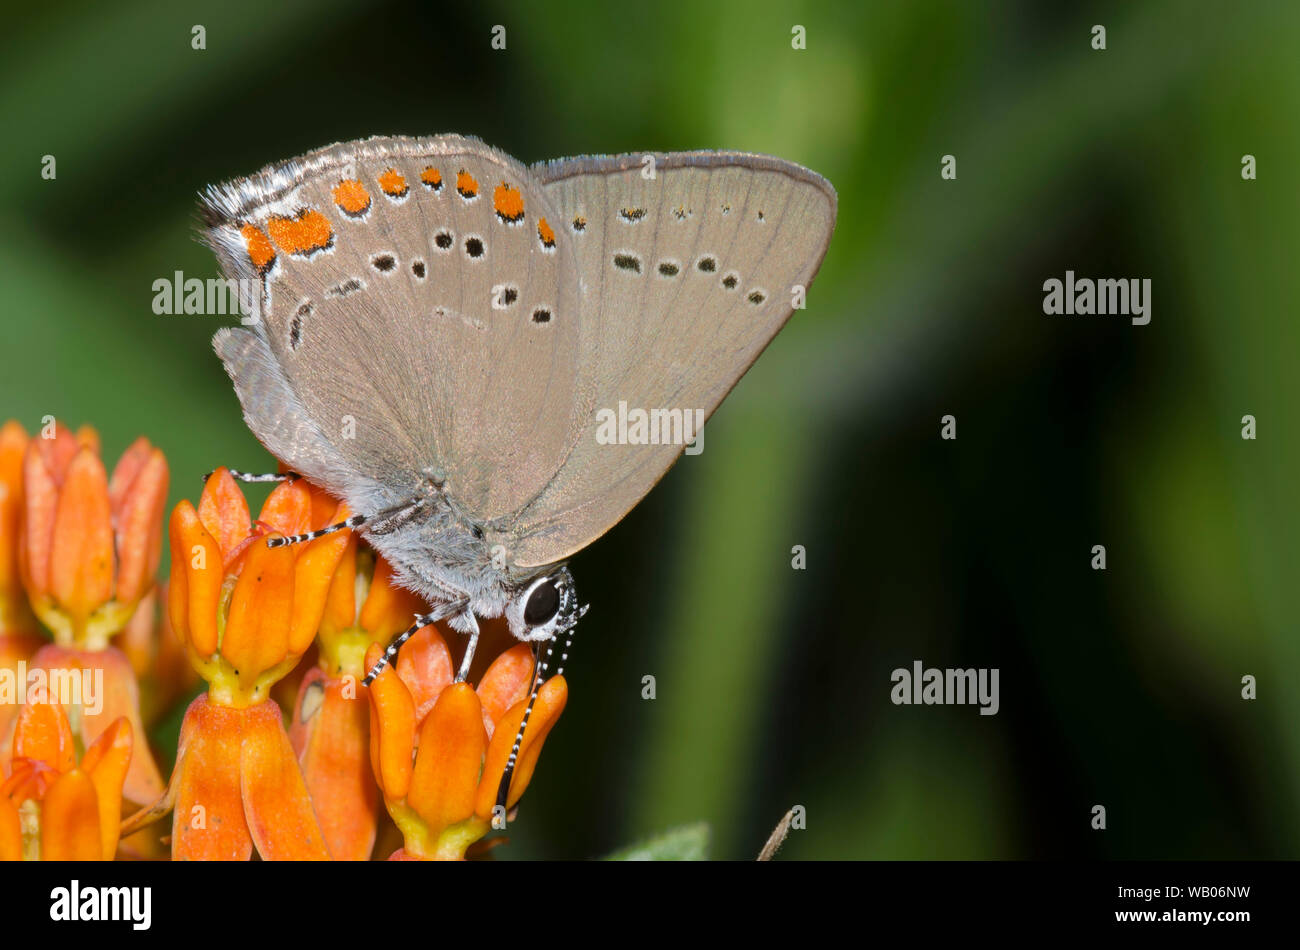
[(1119, 688)]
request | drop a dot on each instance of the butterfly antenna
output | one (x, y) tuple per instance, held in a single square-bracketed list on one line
[(539, 677)]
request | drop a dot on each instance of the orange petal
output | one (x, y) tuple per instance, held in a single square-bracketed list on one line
[(139, 516), (14, 648), (276, 804), (40, 499), (208, 823), (312, 575), (81, 547), (70, 820), (106, 763), (194, 594), (323, 505), (506, 682), (388, 607), (87, 437), (261, 611), (224, 511), (392, 728), (331, 728), (452, 742), (341, 601), (13, 446), (121, 700), (288, 508), (30, 779), (57, 452), (11, 831), (126, 469), (546, 712), (43, 734), (424, 665)]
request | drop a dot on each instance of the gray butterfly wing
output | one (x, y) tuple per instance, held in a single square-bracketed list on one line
[(276, 415), (688, 275), (419, 318)]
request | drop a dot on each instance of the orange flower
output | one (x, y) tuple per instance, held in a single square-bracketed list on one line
[(15, 615), (19, 631), (89, 546), (87, 553), (439, 749), (331, 722), (51, 808), (238, 786), (244, 611), (94, 688)]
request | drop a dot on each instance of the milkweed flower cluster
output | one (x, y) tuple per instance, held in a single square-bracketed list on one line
[(241, 620)]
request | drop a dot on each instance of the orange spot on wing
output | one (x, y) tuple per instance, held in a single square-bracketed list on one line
[(545, 233), (508, 202), (431, 177), (392, 183), (466, 184), (260, 251), (308, 231), (351, 196)]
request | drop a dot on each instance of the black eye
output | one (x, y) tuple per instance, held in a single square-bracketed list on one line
[(543, 604)]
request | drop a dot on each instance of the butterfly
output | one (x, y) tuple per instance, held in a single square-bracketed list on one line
[(441, 330)]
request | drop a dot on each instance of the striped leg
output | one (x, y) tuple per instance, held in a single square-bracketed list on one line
[(383, 521), (440, 612), (354, 522), (246, 477), (463, 673)]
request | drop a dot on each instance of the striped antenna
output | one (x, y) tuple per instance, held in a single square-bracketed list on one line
[(539, 677)]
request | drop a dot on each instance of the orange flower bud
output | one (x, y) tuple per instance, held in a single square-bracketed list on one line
[(117, 697), (70, 820), (81, 542), (194, 587), (392, 729), (546, 712), (239, 787), (350, 624), (106, 763), (331, 734), (43, 735), (445, 801), (246, 611), (11, 831), (331, 723), (137, 494), (89, 550), (449, 759), (15, 616), (80, 807)]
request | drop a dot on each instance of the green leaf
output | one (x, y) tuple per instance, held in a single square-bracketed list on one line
[(687, 843)]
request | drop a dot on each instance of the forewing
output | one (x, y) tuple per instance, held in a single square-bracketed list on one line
[(689, 265), (419, 308)]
